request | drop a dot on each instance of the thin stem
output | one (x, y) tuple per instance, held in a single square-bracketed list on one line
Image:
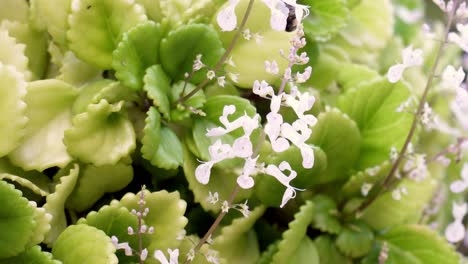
[(386, 182), (290, 65), (225, 55), (140, 239)]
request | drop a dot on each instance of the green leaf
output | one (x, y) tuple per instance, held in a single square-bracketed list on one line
[(296, 246), (13, 53), (166, 215), (14, 10), (194, 102), (115, 222), (16, 221), (367, 176), (152, 135), (33, 255), (328, 67), (12, 107), (177, 57), (96, 27), (53, 16), (355, 240), (84, 244), (328, 252), (387, 212), (138, 50), (49, 113), (158, 86), (94, 182), (326, 215), (102, 135), (267, 255), (43, 227), (36, 45), (326, 18), (55, 202), (372, 105), (77, 72), (170, 154), (181, 11), (24, 183), (153, 9), (333, 133), (237, 242), (414, 244)]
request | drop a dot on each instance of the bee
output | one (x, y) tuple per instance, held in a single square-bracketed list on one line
[(291, 21)]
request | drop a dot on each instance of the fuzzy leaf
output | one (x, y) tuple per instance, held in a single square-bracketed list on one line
[(327, 17), (414, 244), (355, 240), (12, 107), (328, 252), (326, 215), (77, 72), (102, 135), (16, 221), (55, 203), (96, 27), (177, 57), (84, 244), (296, 246), (333, 133), (237, 242), (13, 53), (158, 85), (170, 154), (49, 113), (138, 50), (166, 215), (94, 182), (152, 135), (33, 255), (53, 16)]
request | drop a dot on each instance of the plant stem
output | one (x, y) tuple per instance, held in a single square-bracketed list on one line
[(225, 55), (386, 182)]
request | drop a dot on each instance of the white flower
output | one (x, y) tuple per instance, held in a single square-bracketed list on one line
[(233, 76), (277, 172), (262, 89), (461, 39), (173, 256), (221, 81), (396, 195), (212, 198), (203, 172), (408, 16), (197, 63), (271, 67), (303, 77), (225, 207), (451, 78), (210, 74), (227, 19), (459, 211), (410, 58), (246, 34), (258, 38), (144, 254), (279, 14), (245, 180), (455, 232), (459, 186), (459, 108), (124, 246), (365, 188)]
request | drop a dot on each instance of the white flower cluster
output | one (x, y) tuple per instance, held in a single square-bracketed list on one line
[(227, 19), (455, 231)]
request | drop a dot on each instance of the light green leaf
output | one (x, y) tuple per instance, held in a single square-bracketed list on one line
[(326, 215), (13, 53), (153, 9), (328, 252), (328, 66), (296, 246), (24, 182), (43, 220), (84, 244), (152, 135), (77, 72), (414, 244), (166, 215), (102, 135), (53, 16), (157, 86), (12, 107), (367, 176), (55, 202), (237, 242), (267, 255), (355, 240), (14, 10), (181, 11), (138, 50), (49, 113), (177, 57), (16, 221), (338, 136), (33, 255), (94, 182), (96, 27), (194, 102), (326, 18), (170, 154)]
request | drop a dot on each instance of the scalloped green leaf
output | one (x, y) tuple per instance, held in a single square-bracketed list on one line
[(194, 102), (221, 181), (153, 9), (169, 154), (36, 45), (326, 18), (115, 222), (13, 53), (237, 242), (151, 135), (32, 255), (35, 177), (16, 221), (14, 10), (267, 255), (177, 57), (12, 107), (77, 72), (138, 50), (95, 181), (43, 220), (333, 133), (387, 212), (296, 246), (96, 27), (84, 244), (102, 135), (157, 86), (414, 244), (355, 240), (328, 252), (326, 215), (367, 176), (55, 202), (166, 215), (372, 105), (24, 182), (49, 113), (53, 16), (178, 12)]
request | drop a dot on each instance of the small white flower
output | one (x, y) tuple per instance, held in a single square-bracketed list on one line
[(408, 16), (124, 246), (459, 186), (258, 38), (246, 34), (455, 232), (278, 173), (365, 188), (130, 230), (197, 63), (451, 78), (173, 256), (191, 255), (212, 198), (234, 77), (396, 195), (203, 172), (144, 254), (245, 180), (459, 108), (225, 207), (221, 81), (394, 154), (303, 77), (227, 19), (230, 62), (212, 257), (279, 14), (210, 74), (459, 211), (410, 58), (461, 38), (271, 67), (262, 88), (462, 11)]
